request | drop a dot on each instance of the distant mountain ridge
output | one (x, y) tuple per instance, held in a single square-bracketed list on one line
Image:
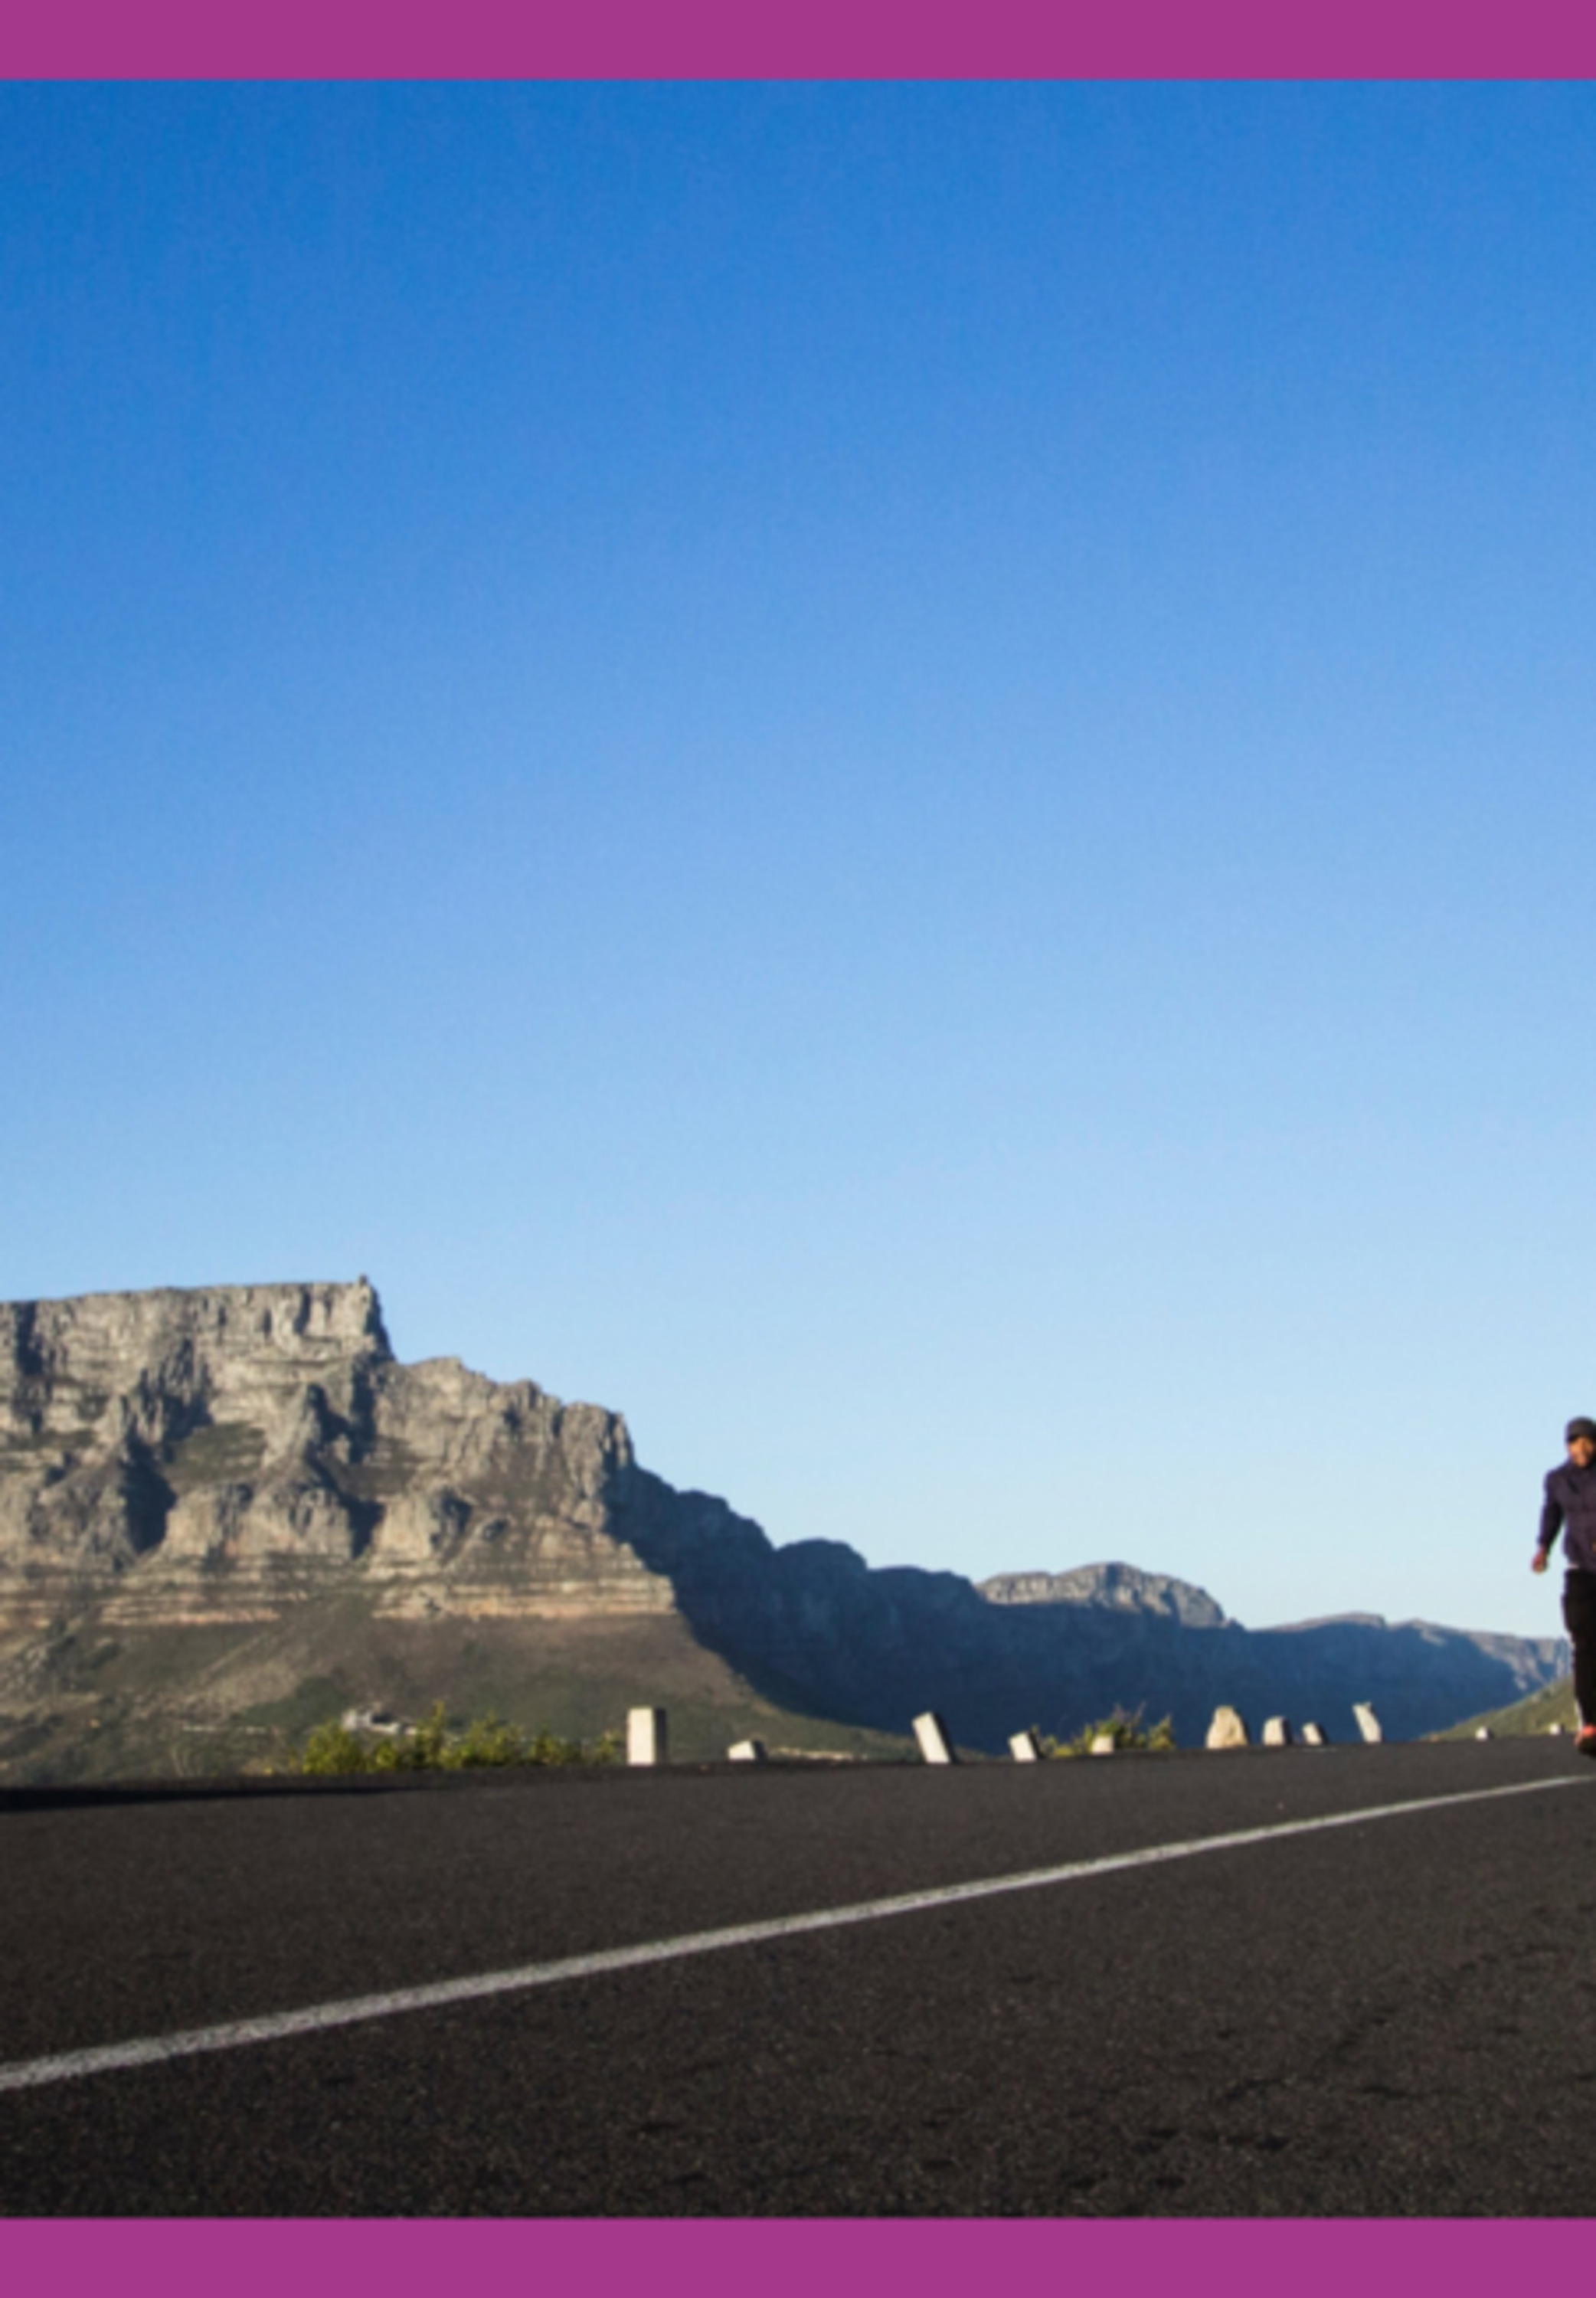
[(231, 1476), (1118, 1587), (1126, 1588)]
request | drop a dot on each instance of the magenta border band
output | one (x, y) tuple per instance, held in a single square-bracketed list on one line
[(1320, 2258), (865, 39), (832, 39)]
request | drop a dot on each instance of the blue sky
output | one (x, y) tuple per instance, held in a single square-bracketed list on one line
[(894, 776)]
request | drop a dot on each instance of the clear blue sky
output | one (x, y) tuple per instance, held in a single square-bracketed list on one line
[(896, 777)]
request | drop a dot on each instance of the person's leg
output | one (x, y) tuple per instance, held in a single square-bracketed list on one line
[(1579, 1616)]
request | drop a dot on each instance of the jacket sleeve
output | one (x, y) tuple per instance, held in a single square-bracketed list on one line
[(1551, 1515)]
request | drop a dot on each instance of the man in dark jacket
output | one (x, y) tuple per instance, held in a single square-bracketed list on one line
[(1570, 1508)]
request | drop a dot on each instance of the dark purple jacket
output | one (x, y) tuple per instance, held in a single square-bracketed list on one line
[(1571, 1509)]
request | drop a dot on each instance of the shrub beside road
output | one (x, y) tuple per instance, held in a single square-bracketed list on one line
[(337, 1747)]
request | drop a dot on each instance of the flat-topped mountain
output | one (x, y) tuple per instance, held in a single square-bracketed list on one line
[(236, 1501), (216, 1455)]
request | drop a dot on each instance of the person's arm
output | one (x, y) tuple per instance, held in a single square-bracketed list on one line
[(1551, 1524)]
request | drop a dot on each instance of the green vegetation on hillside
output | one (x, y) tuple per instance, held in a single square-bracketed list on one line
[(487, 1743), (1552, 1704), (86, 1701)]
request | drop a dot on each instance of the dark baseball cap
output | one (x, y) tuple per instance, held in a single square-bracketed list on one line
[(1580, 1426)]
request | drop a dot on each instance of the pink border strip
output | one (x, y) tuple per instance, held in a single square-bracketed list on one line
[(346, 40), (835, 39), (792, 2258)]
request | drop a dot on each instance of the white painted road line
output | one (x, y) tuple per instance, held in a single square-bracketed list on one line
[(67, 2066)]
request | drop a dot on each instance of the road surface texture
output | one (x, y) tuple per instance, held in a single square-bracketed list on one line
[(1397, 2016)]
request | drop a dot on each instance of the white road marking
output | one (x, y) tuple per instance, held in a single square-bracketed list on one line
[(65, 2066)]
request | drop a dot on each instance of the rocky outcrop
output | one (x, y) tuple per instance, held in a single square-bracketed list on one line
[(1119, 1587), (176, 1460), (216, 1455)]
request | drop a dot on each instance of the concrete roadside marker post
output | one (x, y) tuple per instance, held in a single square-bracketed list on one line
[(1483, 1732), (1368, 1723), (746, 1751), (647, 1737), (1277, 1733), (1554, 1731), (1313, 1736), (1025, 1748), (1227, 1729), (931, 1733), (1103, 1744)]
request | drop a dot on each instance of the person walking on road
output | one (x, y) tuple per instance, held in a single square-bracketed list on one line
[(1570, 1508)]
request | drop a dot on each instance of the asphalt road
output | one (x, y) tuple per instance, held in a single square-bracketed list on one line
[(1397, 2016)]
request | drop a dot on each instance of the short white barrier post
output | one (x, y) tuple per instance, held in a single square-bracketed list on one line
[(1368, 1723), (1227, 1729), (1277, 1733), (1313, 1736), (931, 1733), (746, 1751), (1025, 1748), (646, 1735), (1103, 1745)]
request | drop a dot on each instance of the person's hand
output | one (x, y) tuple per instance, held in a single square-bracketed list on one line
[(1540, 1563)]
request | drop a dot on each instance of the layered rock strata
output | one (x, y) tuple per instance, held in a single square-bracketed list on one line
[(214, 1455), (211, 1457)]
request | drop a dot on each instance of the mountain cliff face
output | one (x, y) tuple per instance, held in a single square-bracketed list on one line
[(214, 1455), (178, 1462)]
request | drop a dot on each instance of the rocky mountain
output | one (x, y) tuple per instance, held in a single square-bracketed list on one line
[(233, 1503), (1118, 1586), (203, 1456)]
